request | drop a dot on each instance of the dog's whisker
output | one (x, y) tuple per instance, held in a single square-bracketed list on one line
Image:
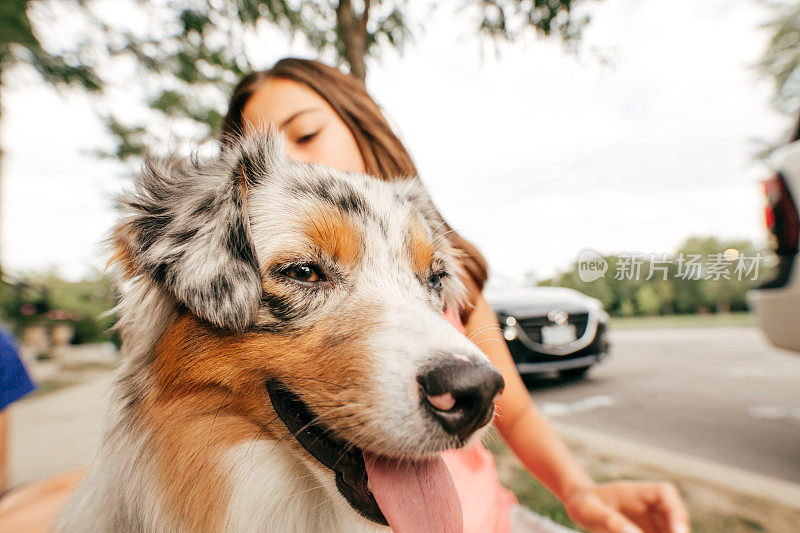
[(478, 344), (318, 419), (298, 493), (445, 234), (346, 450), (328, 382), (214, 421), (283, 377), (253, 441), (327, 500), (341, 428), (481, 329)]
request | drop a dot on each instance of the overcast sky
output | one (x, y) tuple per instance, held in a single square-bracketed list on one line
[(534, 155)]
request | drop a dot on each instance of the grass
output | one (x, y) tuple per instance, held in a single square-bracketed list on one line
[(91, 366), (536, 497), (684, 321), (711, 508), (528, 491), (46, 386), (71, 374)]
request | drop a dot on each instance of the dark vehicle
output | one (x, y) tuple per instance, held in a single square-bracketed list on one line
[(550, 329)]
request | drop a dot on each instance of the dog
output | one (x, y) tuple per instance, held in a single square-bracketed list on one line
[(287, 366)]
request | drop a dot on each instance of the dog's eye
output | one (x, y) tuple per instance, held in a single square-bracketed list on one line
[(306, 272), (435, 281)]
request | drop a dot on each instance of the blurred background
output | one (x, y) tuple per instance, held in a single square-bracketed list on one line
[(636, 131)]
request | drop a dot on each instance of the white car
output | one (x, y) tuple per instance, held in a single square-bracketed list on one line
[(777, 302)]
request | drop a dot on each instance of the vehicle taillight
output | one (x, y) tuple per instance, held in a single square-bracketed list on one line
[(781, 215)]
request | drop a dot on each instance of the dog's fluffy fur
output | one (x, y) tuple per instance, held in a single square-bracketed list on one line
[(208, 314)]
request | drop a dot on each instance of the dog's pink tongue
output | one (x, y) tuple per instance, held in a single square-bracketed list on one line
[(415, 496)]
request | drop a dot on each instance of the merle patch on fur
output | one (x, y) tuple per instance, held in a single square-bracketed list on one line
[(187, 228), (338, 195), (280, 307)]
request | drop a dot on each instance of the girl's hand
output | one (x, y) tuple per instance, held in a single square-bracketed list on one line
[(629, 507)]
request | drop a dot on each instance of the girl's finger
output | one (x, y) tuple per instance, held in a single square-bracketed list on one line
[(615, 522), (666, 498)]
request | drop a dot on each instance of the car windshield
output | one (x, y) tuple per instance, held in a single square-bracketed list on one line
[(498, 282)]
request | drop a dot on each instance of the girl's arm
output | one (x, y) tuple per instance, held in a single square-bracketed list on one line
[(610, 507), (527, 432)]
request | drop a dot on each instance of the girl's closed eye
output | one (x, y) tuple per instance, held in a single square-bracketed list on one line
[(308, 137)]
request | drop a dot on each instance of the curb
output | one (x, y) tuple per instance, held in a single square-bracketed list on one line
[(731, 478)]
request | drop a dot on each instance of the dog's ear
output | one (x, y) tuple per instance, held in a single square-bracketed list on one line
[(186, 225), (413, 191)]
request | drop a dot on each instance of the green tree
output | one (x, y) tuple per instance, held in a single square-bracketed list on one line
[(781, 62), (46, 299), (189, 53), (20, 45), (720, 293), (648, 301), (681, 289)]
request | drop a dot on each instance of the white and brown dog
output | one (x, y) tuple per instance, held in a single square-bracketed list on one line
[(287, 365)]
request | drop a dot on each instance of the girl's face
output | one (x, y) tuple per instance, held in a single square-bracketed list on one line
[(314, 132)]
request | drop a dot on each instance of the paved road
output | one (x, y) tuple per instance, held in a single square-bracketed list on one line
[(722, 394), (56, 432)]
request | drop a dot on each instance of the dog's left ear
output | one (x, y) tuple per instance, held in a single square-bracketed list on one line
[(413, 191), (186, 226)]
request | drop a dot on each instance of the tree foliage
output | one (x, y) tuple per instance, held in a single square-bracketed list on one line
[(188, 54), (510, 19), (781, 61), (19, 44), (45, 299), (674, 290)]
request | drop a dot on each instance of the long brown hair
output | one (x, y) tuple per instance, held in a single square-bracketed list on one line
[(384, 155)]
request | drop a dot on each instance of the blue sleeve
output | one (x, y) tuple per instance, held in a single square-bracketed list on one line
[(14, 380)]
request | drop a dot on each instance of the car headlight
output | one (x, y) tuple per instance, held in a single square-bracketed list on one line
[(508, 324)]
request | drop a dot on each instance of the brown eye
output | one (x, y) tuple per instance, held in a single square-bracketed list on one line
[(306, 272)]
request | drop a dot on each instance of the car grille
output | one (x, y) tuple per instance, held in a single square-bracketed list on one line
[(532, 326)]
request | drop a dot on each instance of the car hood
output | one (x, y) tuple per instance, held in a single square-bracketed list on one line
[(531, 301)]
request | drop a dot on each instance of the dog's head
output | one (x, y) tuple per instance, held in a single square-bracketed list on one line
[(316, 295)]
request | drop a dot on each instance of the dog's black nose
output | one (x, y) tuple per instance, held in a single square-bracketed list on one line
[(459, 395)]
